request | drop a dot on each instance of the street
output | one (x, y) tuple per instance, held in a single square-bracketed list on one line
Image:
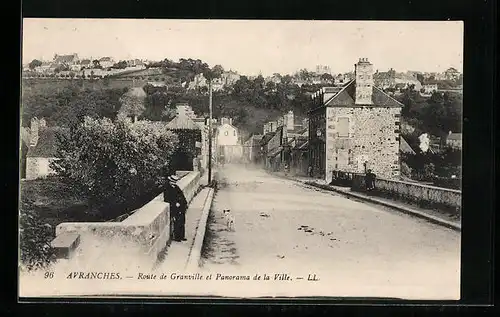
[(347, 248)]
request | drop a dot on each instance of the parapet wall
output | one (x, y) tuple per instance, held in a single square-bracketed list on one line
[(414, 192), (145, 233)]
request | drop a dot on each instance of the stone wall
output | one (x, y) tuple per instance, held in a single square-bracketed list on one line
[(143, 235), (38, 167), (373, 137), (418, 192), (425, 195)]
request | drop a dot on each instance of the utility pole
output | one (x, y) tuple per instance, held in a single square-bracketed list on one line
[(210, 131)]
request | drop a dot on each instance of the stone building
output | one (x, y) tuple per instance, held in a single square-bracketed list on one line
[(274, 149), (355, 128), (251, 148), (42, 149), (229, 148)]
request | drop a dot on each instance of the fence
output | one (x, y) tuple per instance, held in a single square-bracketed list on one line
[(344, 179)]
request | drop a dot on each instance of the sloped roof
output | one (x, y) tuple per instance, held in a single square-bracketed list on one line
[(268, 136), (454, 136), (405, 147), (64, 58), (346, 98), (182, 122), (46, 145), (303, 145), (105, 59)]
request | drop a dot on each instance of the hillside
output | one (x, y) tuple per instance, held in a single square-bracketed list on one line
[(251, 102)]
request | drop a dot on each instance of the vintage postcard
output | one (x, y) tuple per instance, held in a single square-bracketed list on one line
[(240, 158)]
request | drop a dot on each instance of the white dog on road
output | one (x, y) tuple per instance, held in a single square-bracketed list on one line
[(229, 217)]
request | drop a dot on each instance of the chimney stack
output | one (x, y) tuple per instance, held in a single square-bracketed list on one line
[(363, 73), (290, 121), (34, 132)]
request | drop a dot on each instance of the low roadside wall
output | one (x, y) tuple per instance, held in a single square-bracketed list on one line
[(424, 195), (145, 233)]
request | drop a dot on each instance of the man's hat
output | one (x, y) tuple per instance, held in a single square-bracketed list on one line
[(173, 178)]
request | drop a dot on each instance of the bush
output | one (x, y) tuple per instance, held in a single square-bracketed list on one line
[(35, 238), (115, 163)]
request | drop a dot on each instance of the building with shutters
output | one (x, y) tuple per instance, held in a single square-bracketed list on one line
[(229, 148), (355, 128)]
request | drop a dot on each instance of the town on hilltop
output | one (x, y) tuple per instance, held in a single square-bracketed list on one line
[(177, 165)]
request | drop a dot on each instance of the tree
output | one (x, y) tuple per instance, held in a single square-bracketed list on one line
[(286, 80), (327, 77), (120, 65), (97, 64), (133, 103), (115, 163), (304, 74), (35, 237), (34, 64), (215, 72)]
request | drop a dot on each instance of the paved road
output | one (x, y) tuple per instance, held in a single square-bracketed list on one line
[(355, 249)]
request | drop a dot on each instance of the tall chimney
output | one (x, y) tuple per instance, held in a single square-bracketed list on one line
[(34, 132), (363, 73), (230, 120)]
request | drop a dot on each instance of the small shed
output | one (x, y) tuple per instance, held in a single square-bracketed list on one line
[(189, 134)]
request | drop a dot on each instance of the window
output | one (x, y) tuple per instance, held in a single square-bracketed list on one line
[(343, 127), (234, 133), (226, 133)]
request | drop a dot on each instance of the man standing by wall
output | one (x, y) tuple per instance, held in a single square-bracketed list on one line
[(178, 205)]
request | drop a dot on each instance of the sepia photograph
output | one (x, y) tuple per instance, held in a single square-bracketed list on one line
[(178, 158)]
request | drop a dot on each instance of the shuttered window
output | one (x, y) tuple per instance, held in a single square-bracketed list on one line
[(343, 127)]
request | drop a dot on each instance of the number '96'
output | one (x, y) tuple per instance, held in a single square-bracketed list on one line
[(49, 274)]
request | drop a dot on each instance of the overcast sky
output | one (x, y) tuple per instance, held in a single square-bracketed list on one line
[(252, 46)]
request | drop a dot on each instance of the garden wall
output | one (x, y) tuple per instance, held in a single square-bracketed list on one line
[(140, 237)]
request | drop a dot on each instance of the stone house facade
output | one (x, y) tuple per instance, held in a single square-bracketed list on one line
[(41, 151), (355, 129), (228, 143)]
